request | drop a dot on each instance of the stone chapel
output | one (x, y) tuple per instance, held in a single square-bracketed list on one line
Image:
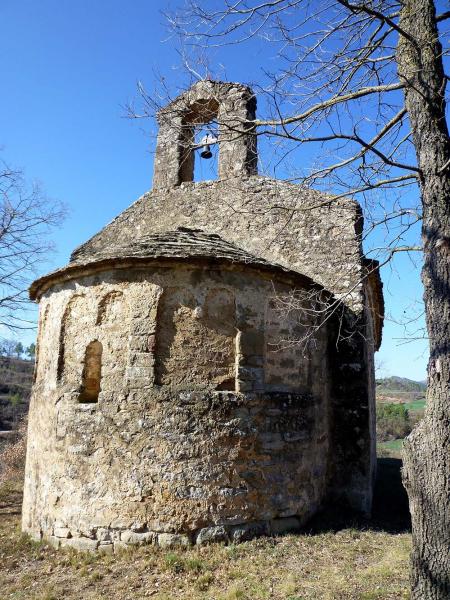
[(205, 362)]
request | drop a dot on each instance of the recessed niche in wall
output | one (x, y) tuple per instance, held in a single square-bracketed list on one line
[(92, 373), (195, 344)]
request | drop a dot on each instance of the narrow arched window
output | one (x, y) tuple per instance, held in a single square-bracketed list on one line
[(92, 373)]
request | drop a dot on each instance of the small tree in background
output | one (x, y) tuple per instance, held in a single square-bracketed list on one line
[(8, 347), (19, 349), (393, 422), (15, 401), (31, 351)]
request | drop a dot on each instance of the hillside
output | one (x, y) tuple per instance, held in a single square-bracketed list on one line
[(16, 376), (400, 384), (401, 404)]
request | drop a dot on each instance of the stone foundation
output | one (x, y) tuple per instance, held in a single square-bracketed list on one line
[(112, 540), (191, 467)]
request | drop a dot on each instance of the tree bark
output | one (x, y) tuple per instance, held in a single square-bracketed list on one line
[(426, 471)]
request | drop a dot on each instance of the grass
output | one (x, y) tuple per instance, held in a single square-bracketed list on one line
[(365, 561), (394, 446)]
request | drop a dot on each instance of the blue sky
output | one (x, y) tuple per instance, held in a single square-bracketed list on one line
[(68, 68)]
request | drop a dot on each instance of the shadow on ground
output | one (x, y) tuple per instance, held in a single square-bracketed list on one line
[(390, 511)]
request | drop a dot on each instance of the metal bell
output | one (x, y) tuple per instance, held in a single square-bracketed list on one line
[(206, 152), (205, 144)]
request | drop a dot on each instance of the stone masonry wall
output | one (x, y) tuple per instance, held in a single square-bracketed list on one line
[(231, 106), (171, 461), (206, 332)]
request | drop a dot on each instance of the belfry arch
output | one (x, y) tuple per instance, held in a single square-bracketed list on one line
[(231, 108)]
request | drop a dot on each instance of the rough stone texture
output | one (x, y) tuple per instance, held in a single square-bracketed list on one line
[(209, 535), (173, 540), (299, 229), (173, 458), (172, 404)]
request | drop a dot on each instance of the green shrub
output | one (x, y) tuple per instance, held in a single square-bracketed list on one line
[(393, 422)]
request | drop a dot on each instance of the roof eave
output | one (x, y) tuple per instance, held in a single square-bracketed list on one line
[(74, 271)]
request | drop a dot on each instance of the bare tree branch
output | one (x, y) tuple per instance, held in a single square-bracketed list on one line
[(26, 219)]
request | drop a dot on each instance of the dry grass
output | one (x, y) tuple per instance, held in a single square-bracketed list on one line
[(347, 564)]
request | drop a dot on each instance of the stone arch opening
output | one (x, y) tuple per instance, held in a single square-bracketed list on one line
[(230, 109), (70, 314), (92, 373), (199, 122)]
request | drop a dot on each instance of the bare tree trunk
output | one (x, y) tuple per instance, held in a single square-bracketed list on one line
[(426, 471)]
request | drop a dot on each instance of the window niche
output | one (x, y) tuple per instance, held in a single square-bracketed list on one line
[(72, 319), (111, 308), (92, 372)]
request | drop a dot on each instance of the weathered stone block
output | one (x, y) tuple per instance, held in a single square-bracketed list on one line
[(103, 534), (81, 544), (132, 537), (143, 359), (139, 373), (209, 535), (61, 532), (248, 531), (173, 540), (141, 343)]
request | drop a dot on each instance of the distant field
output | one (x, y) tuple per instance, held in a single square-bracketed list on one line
[(416, 405), (398, 390)]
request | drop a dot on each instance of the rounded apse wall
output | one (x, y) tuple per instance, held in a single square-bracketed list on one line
[(168, 407)]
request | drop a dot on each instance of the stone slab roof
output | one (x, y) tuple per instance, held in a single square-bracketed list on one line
[(303, 230), (183, 244)]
